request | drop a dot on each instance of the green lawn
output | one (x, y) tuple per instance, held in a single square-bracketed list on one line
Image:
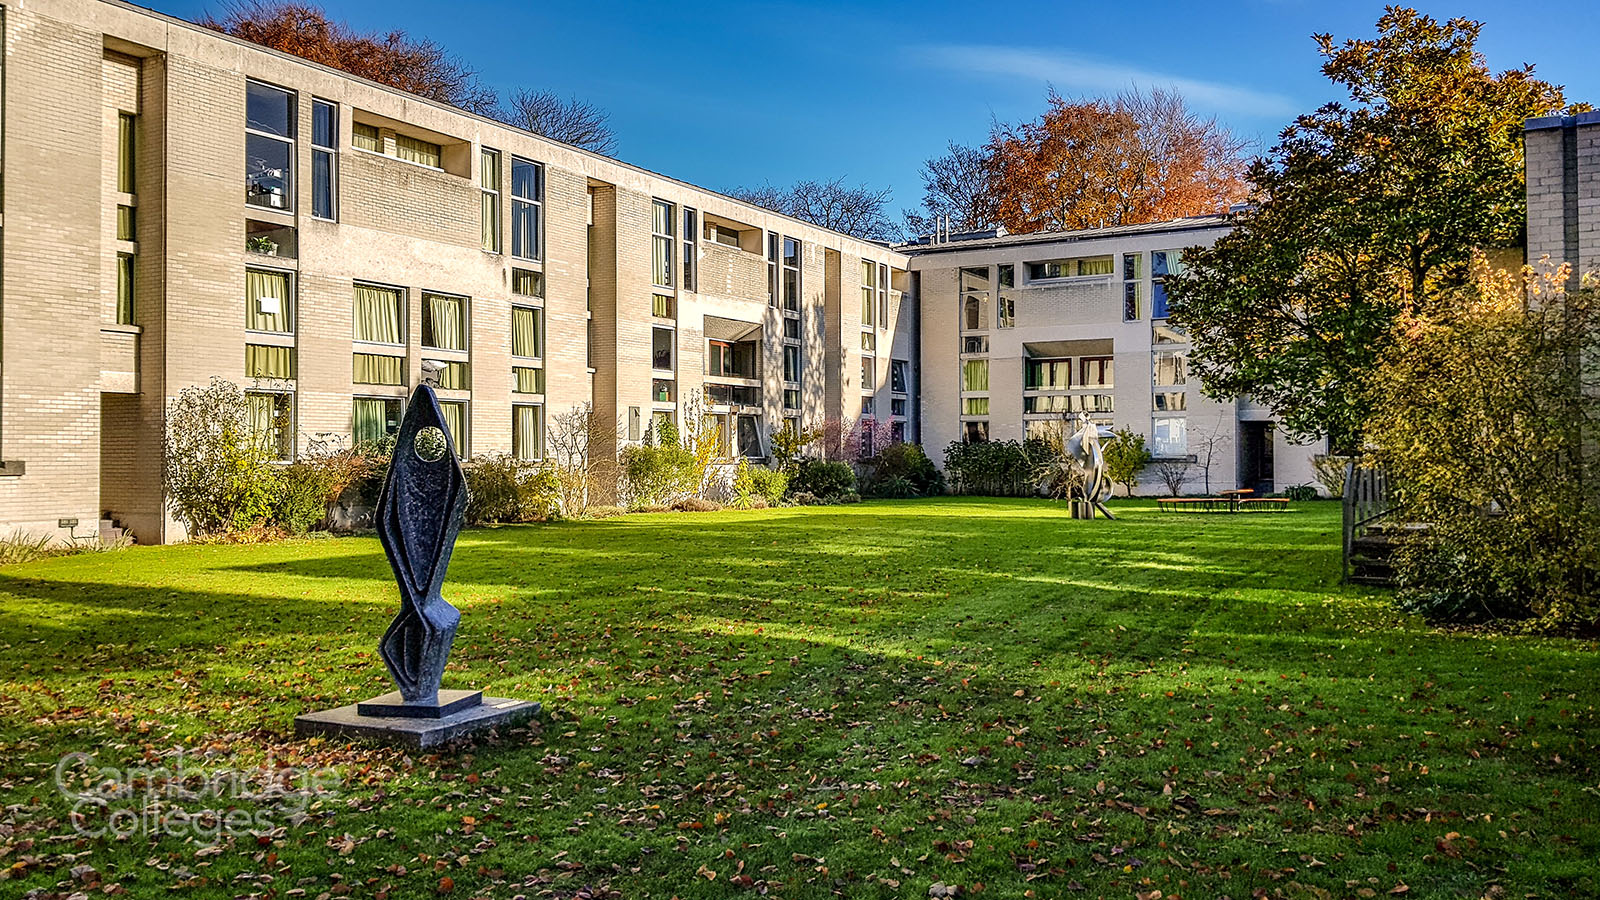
[(857, 701)]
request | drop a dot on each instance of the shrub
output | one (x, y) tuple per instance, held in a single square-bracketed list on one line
[(696, 504), (999, 468), (301, 496), (908, 468), (603, 511), (849, 497), (822, 479), (1126, 456), (1300, 492), (216, 474), (21, 548), (803, 498), (502, 488), (757, 483), (1330, 473), (659, 475), (1174, 474)]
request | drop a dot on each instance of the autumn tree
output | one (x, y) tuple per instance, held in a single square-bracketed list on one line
[(570, 120), (1138, 157), (1361, 211), (955, 187), (858, 211), (412, 64)]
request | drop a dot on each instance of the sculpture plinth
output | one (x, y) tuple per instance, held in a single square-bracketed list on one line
[(1083, 449), (419, 515)]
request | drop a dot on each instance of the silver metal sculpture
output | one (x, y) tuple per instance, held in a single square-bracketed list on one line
[(1083, 448)]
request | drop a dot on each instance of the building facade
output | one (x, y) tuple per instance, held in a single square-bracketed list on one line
[(180, 205), (1022, 333), (1562, 158)]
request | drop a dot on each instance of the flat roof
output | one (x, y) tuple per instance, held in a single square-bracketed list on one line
[(1543, 122), (987, 240)]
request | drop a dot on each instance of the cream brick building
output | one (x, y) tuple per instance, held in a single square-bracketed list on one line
[(1562, 156), (1021, 332), (180, 205)]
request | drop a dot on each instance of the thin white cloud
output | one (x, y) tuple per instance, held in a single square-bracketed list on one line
[(1072, 73)]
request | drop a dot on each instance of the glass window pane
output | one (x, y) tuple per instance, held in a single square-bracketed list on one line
[(322, 184), (527, 326), (373, 368), (417, 150), (366, 137), (324, 124), (525, 179), (444, 325), (124, 289), (377, 314), (269, 109), (266, 301), (125, 152), (266, 169)]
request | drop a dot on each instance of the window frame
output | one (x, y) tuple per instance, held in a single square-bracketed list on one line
[(493, 199), (290, 182), (662, 255), (289, 446), (538, 331), (538, 413), (398, 401), (330, 152), (466, 322), (535, 207), (404, 312), (290, 312)]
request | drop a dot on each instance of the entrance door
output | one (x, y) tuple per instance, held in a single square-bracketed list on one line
[(1255, 457)]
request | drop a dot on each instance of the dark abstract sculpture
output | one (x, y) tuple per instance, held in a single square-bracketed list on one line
[(419, 515)]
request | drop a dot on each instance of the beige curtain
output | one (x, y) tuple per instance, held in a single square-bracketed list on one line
[(377, 314), (455, 422), (414, 150), (489, 212), (527, 436), (124, 289), (528, 380), (975, 406), (125, 152), (366, 137), (454, 376), (368, 420), (525, 332), (261, 361), (975, 375), (266, 301), (1101, 266), (447, 323), (269, 423), (372, 368)]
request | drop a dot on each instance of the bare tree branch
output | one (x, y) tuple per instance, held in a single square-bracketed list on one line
[(571, 121), (857, 211), (954, 185)]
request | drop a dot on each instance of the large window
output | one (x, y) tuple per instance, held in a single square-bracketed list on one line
[(527, 332), (266, 301), (1163, 263), (455, 423), (1071, 268), (1005, 300), (124, 288), (444, 322), (661, 244), (974, 432), (527, 431), (975, 375), (1170, 437), (661, 348), (527, 200), (127, 138), (772, 269), (974, 288), (1171, 367), (324, 159), (791, 274), (1132, 273), (899, 375), (1095, 371), (268, 146), (527, 380), (379, 314), (527, 283), (374, 418), (869, 373), (265, 361), (791, 363), (366, 137), (1048, 375), (450, 375), (375, 368), (489, 199), (419, 151), (869, 293), (730, 360), (272, 422), (690, 229)]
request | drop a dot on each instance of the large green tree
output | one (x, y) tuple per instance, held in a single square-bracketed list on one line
[(1361, 211)]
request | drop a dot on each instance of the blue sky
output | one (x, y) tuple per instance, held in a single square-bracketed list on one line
[(730, 94)]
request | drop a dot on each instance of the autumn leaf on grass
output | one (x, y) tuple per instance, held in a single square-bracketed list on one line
[(447, 884), (706, 873)]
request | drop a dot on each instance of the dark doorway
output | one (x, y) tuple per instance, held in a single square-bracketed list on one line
[(1255, 457)]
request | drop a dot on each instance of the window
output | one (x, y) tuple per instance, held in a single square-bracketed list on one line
[(883, 296), (527, 380), (527, 432), (732, 395), (449, 375), (661, 306), (974, 406), (455, 423), (791, 329), (869, 341), (374, 418), (869, 373), (975, 375), (974, 286), (791, 274), (1094, 371), (527, 199), (899, 375), (1048, 375), (869, 293), (266, 301), (661, 348), (1171, 367), (978, 343), (527, 283), (1170, 437), (750, 437), (1167, 333), (791, 398), (489, 199), (379, 313), (272, 422), (374, 368), (791, 363), (728, 360), (689, 231), (262, 361), (366, 137), (324, 159), (974, 432), (1006, 304), (417, 150), (527, 332), (663, 390), (127, 136), (1130, 301), (661, 245), (1163, 263), (772, 269), (1171, 401), (867, 409), (897, 407), (1071, 268), (444, 322), (268, 146), (125, 223), (124, 288)]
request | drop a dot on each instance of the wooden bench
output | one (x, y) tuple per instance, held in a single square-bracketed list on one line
[(1195, 504), (1263, 504)]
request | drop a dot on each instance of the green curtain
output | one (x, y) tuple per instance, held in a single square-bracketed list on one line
[(261, 361), (260, 409), (124, 289), (377, 314), (661, 306), (1097, 266), (527, 438), (525, 337), (368, 419), (455, 422), (415, 150), (270, 423), (266, 301), (975, 375), (366, 137), (125, 152), (372, 368), (489, 214), (446, 322), (454, 376), (125, 223), (975, 406), (527, 283), (528, 380)]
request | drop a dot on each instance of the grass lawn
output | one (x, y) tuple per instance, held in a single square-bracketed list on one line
[(856, 701)]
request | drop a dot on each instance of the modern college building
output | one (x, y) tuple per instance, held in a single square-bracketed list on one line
[(180, 205)]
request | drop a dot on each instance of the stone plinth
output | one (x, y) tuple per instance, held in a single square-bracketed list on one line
[(413, 731)]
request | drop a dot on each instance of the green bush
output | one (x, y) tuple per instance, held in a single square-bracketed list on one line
[(659, 475), (826, 481), (757, 483), (1300, 492), (999, 468), (903, 467), (502, 488), (301, 496), (1330, 472), (1126, 456), (696, 504)]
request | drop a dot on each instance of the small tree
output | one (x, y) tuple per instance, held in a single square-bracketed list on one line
[(214, 469), (789, 445), (576, 437), (1209, 448), (1174, 474), (1126, 457)]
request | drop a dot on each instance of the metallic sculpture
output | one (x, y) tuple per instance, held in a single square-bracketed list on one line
[(1083, 448)]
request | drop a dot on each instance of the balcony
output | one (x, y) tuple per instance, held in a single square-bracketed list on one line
[(119, 359), (732, 272), (721, 394)]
